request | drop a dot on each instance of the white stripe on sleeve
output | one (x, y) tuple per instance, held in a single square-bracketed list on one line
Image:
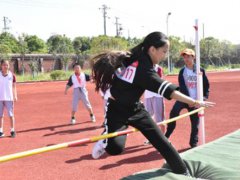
[(162, 85), (165, 88)]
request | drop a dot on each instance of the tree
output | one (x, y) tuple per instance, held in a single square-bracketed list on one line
[(33, 65), (103, 43), (210, 50), (23, 50), (81, 44), (53, 43), (35, 44), (61, 45), (4, 51), (8, 40), (175, 49), (132, 42), (65, 57), (81, 47), (227, 52)]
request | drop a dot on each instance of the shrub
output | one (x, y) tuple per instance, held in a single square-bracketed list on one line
[(57, 75), (234, 66)]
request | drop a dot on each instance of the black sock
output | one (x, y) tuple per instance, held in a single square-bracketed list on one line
[(91, 115), (73, 117)]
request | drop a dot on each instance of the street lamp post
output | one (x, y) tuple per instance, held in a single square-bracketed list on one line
[(168, 56)]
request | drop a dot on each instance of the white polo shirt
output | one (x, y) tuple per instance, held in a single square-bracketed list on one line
[(79, 80), (6, 86)]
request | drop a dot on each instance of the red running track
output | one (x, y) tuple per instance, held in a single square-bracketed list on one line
[(42, 119)]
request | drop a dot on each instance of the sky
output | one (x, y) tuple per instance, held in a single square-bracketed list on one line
[(217, 18)]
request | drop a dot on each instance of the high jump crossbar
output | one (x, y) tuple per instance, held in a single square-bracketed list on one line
[(32, 152)]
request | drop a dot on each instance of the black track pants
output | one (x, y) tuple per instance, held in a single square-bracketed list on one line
[(118, 118), (177, 107)]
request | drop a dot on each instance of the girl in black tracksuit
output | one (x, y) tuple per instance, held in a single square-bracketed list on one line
[(129, 75)]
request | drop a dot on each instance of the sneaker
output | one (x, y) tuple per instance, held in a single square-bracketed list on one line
[(98, 150), (93, 119), (2, 134), (13, 134), (73, 121)]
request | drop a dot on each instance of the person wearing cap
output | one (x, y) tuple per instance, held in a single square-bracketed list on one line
[(187, 80)]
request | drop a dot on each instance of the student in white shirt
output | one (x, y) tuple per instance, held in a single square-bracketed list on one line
[(78, 81), (8, 94)]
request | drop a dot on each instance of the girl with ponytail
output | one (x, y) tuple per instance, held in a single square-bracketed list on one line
[(128, 75)]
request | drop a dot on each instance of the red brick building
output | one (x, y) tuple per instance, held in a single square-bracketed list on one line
[(43, 62)]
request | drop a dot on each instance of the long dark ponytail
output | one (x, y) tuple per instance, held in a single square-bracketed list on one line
[(103, 67), (105, 64)]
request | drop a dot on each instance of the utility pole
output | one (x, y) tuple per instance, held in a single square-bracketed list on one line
[(129, 34), (104, 10), (118, 27), (6, 21), (168, 57), (203, 31), (117, 24)]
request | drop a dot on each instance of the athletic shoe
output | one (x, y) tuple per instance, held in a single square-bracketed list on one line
[(13, 134), (73, 121), (98, 150), (93, 119), (2, 134)]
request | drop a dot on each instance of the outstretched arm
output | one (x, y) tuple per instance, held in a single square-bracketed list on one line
[(188, 100), (151, 81)]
